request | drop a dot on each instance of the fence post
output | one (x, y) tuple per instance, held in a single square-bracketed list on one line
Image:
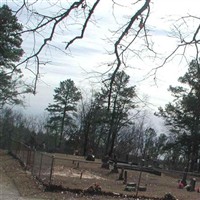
[(23, 155), (33, 162), (19, 151), (51, 171), (10, 150), (140, 176), (40, 164), (28, 158), (16, 148)]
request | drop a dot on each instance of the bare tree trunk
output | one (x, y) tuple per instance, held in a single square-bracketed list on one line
[(194, 155), (86, 138), (85, 145), (62, 127), (108, 142), (112, 143)]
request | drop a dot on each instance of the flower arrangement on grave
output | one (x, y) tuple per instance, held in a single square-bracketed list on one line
[(94, 188), (180, 185)]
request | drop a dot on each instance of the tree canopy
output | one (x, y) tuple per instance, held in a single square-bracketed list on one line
[(61, 112), (62, 24), (10, 54), (183, 114)]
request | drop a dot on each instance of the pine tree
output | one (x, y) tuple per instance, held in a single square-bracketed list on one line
[(10, 54), (183, 114), (121, 102), (61, 112)]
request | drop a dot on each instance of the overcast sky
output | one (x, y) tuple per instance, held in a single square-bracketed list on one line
[(90, 54)]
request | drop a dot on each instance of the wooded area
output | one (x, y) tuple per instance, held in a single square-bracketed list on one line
[(110, 121)]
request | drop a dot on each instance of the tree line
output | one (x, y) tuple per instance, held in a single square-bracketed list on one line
[(77, 123)]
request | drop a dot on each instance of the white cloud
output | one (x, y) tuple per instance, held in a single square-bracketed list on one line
[(88, 54)]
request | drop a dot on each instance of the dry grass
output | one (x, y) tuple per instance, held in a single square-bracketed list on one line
[(67, 174)]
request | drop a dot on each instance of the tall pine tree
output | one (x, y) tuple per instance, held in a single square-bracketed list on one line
[(10, 54), (61, 112), (183, 114)]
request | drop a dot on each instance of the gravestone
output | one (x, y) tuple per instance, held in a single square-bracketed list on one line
[(130, 187), (90, 157), (115, 168), (125, 177), (183, 180), (142, 188), (192, 184), (77, 165), (121, 175), (105, 162)]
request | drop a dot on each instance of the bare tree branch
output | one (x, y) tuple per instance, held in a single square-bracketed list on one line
[(84, 25), (44, 23), (183, 44), (117, 43)]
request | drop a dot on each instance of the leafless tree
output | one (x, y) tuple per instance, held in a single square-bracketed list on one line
[(74, 18), (45, 26)]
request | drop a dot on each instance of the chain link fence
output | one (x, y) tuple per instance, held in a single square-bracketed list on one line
[(51, 169), (69, 171), (39, 163)]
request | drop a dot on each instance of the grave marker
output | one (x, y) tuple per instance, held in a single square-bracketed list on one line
[(125, 177), (121, 175), (183, 180)]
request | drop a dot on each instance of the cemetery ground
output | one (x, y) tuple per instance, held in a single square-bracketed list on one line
[(75, 175)]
